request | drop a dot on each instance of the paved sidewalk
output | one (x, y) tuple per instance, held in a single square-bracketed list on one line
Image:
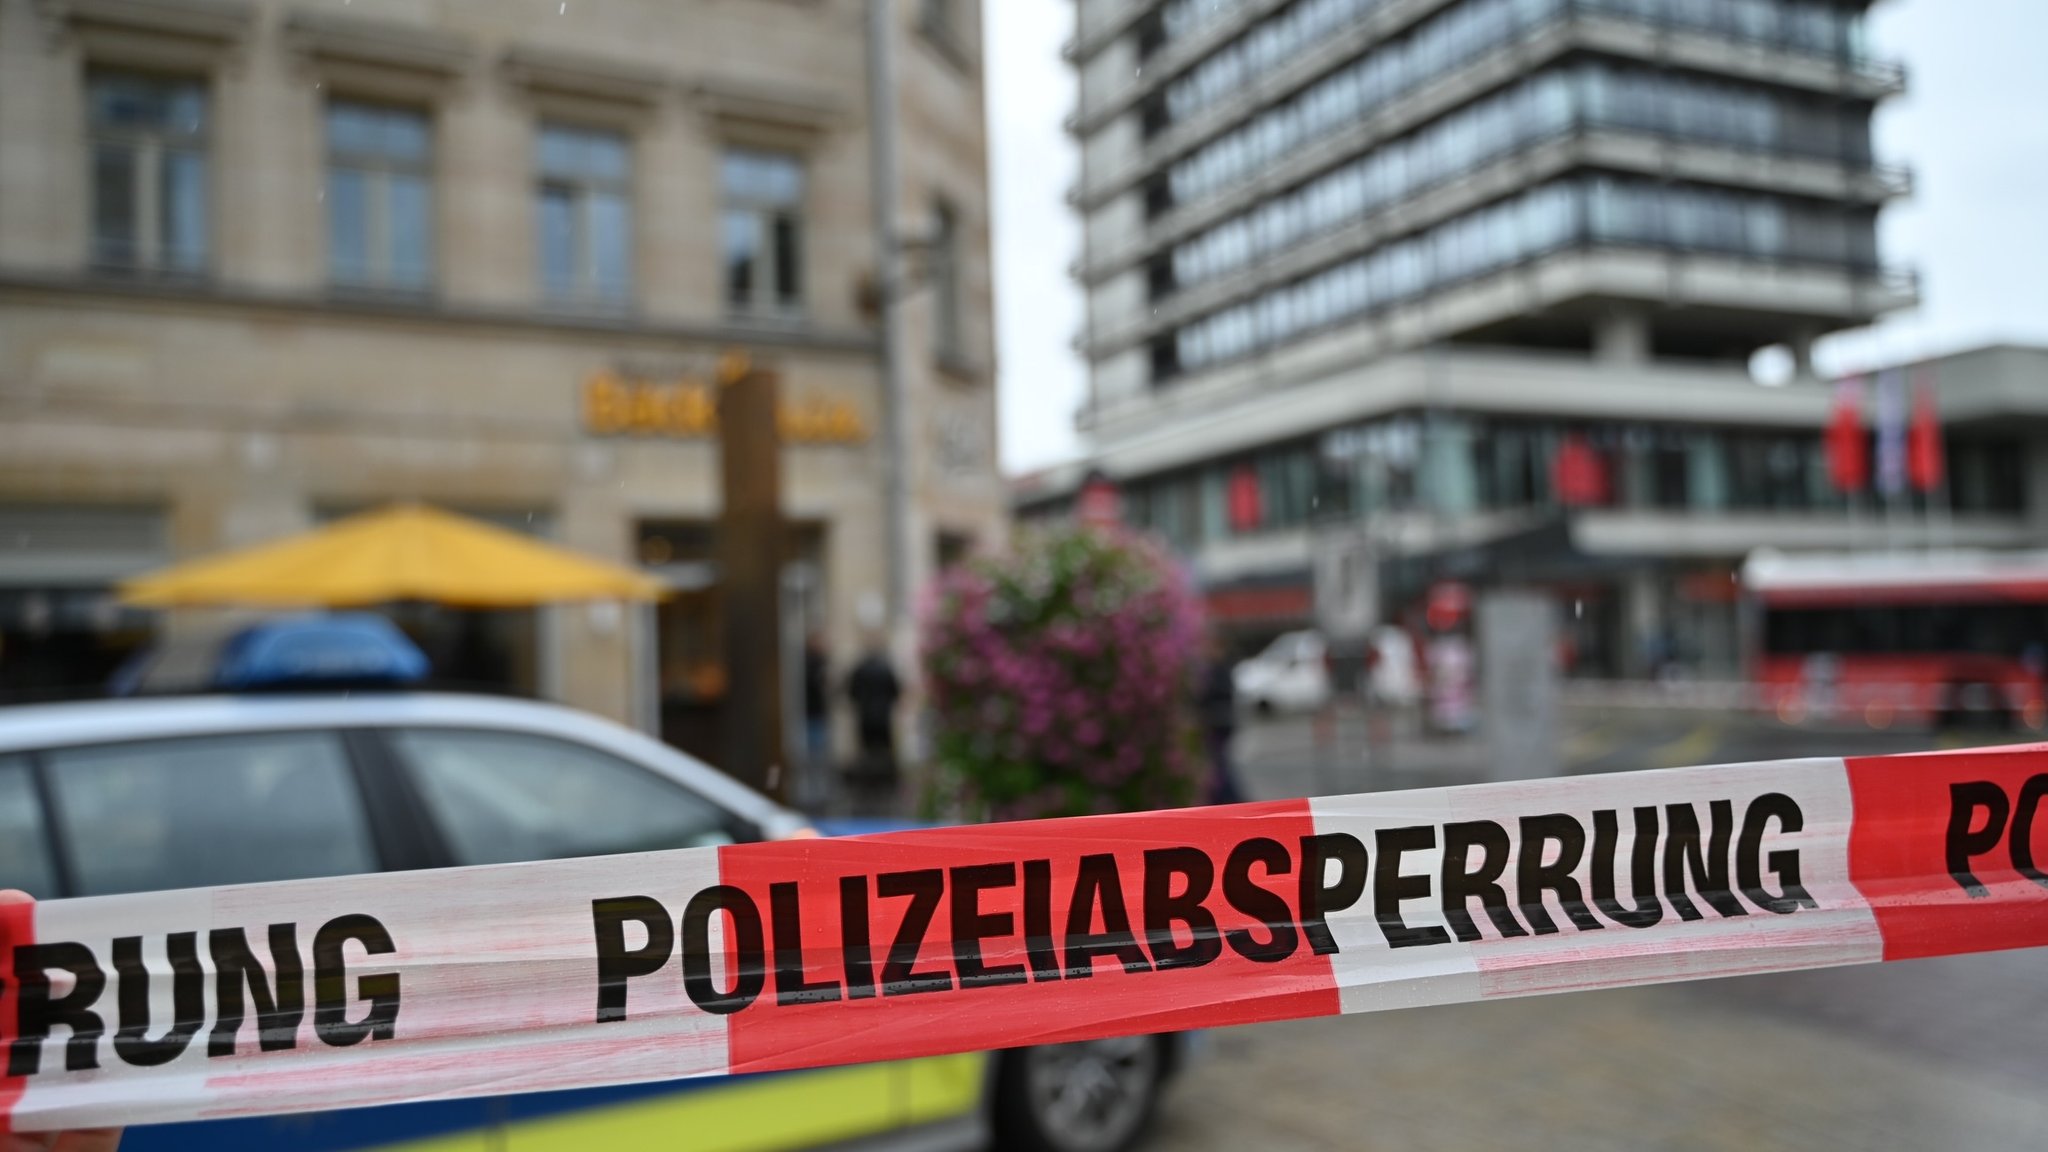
[(1686, 1067), (1933, 1054)]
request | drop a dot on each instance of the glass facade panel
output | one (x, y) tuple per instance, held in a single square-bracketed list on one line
[(1600, 210), (1537, 109)]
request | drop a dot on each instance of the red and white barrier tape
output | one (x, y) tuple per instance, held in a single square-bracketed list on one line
[(367, 990)]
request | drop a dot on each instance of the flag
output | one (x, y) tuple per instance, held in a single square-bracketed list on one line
[(1924, 460), (1891, 431), (1848, 455), (1579, 475), (1246, 503)]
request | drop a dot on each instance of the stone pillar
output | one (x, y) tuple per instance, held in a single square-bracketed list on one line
[(2037, 489), (1518, 683), (1642, 618), (1621, 336), (1800, 343)]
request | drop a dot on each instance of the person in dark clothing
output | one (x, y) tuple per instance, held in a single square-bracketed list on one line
[(1216, 705), (874, 689), (817, 723)]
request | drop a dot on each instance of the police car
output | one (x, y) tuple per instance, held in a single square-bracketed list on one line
[(307, 756)]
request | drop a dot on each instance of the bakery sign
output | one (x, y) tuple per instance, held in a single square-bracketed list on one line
[(620, 403)]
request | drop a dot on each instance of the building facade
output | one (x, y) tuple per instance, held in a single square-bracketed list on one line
[(264, 262), (1462, 274)]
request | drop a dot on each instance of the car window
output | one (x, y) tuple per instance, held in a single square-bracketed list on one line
[(24, 842), (211, 810), (500, 797)]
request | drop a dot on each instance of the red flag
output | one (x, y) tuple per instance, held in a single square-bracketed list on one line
[(1578, 474), (1923, 440), (1848, 448), (1246, 504), (1099, 503)]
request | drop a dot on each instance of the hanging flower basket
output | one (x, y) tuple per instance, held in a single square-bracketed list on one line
[(1059, 676)]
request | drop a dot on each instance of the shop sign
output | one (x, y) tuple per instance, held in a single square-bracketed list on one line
[(686, 408)]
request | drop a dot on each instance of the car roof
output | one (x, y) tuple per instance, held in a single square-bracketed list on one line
[(32, 727)]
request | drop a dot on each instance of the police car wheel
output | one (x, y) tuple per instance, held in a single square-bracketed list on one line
[(1095, 1096)]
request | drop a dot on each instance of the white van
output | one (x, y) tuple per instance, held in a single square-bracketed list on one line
[(1292, 674)]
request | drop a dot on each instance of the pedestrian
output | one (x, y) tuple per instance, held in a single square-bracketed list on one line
[(817, 722), (1216, 705), (874, 690)]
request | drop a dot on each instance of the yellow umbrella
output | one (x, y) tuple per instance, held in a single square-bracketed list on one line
[(402, 552)]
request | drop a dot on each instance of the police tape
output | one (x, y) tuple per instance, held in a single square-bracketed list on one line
[(340, 993)]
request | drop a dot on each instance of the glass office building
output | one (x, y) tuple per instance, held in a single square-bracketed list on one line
[(1403, 265)]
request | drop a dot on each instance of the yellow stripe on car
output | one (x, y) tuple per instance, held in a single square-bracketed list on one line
[(798, 1110)]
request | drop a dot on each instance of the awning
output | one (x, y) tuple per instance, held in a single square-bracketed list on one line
[(398, 553)]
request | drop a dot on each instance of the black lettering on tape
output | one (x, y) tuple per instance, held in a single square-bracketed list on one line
[(1708, 868), (1533, 877), (1269, 908), (2023, 812), (1963, 843), (1320, 895), (1642, 881), (925, 887), (856, 946), (1039, 947), (971, 925), (1097, 884), (188, 1000), (279, 1008), (1390, 886), (1165, 908), (330, 982), (785, 914), (1784, 863), (616, 963), (745, 945), (1462, 884), (36, 1011)]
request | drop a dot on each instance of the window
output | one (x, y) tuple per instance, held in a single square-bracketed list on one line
[(149, 206), (762, 226), (212, 810), (380, 203), (24, 843), (948, 340), (500, 797), (586, 214)]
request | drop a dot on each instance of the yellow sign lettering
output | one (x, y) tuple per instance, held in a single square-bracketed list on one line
[(687, 409)]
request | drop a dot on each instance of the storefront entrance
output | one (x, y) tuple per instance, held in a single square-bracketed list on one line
[(62, 634), (690, 626)]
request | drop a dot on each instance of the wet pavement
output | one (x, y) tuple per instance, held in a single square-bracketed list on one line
[(1949, 1053)]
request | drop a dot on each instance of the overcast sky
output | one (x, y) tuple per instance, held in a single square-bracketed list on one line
[(1971, 126)]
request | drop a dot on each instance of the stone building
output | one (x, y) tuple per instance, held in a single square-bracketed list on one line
[(264, 262)]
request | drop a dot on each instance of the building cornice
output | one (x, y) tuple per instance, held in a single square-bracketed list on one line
[(380, 44), (200, 295), (185, 34)]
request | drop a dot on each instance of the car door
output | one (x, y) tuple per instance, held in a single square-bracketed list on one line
[(199, 811), (240, 808), (492, 797)]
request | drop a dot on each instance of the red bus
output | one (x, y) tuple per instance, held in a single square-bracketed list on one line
[(1948, 637)]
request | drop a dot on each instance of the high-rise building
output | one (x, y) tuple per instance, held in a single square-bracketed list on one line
[(265, 262), (1473, 275)]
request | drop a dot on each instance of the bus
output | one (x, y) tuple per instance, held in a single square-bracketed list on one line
[(1951, 638)]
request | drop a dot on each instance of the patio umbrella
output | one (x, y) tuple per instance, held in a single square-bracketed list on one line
[(397, 553)]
